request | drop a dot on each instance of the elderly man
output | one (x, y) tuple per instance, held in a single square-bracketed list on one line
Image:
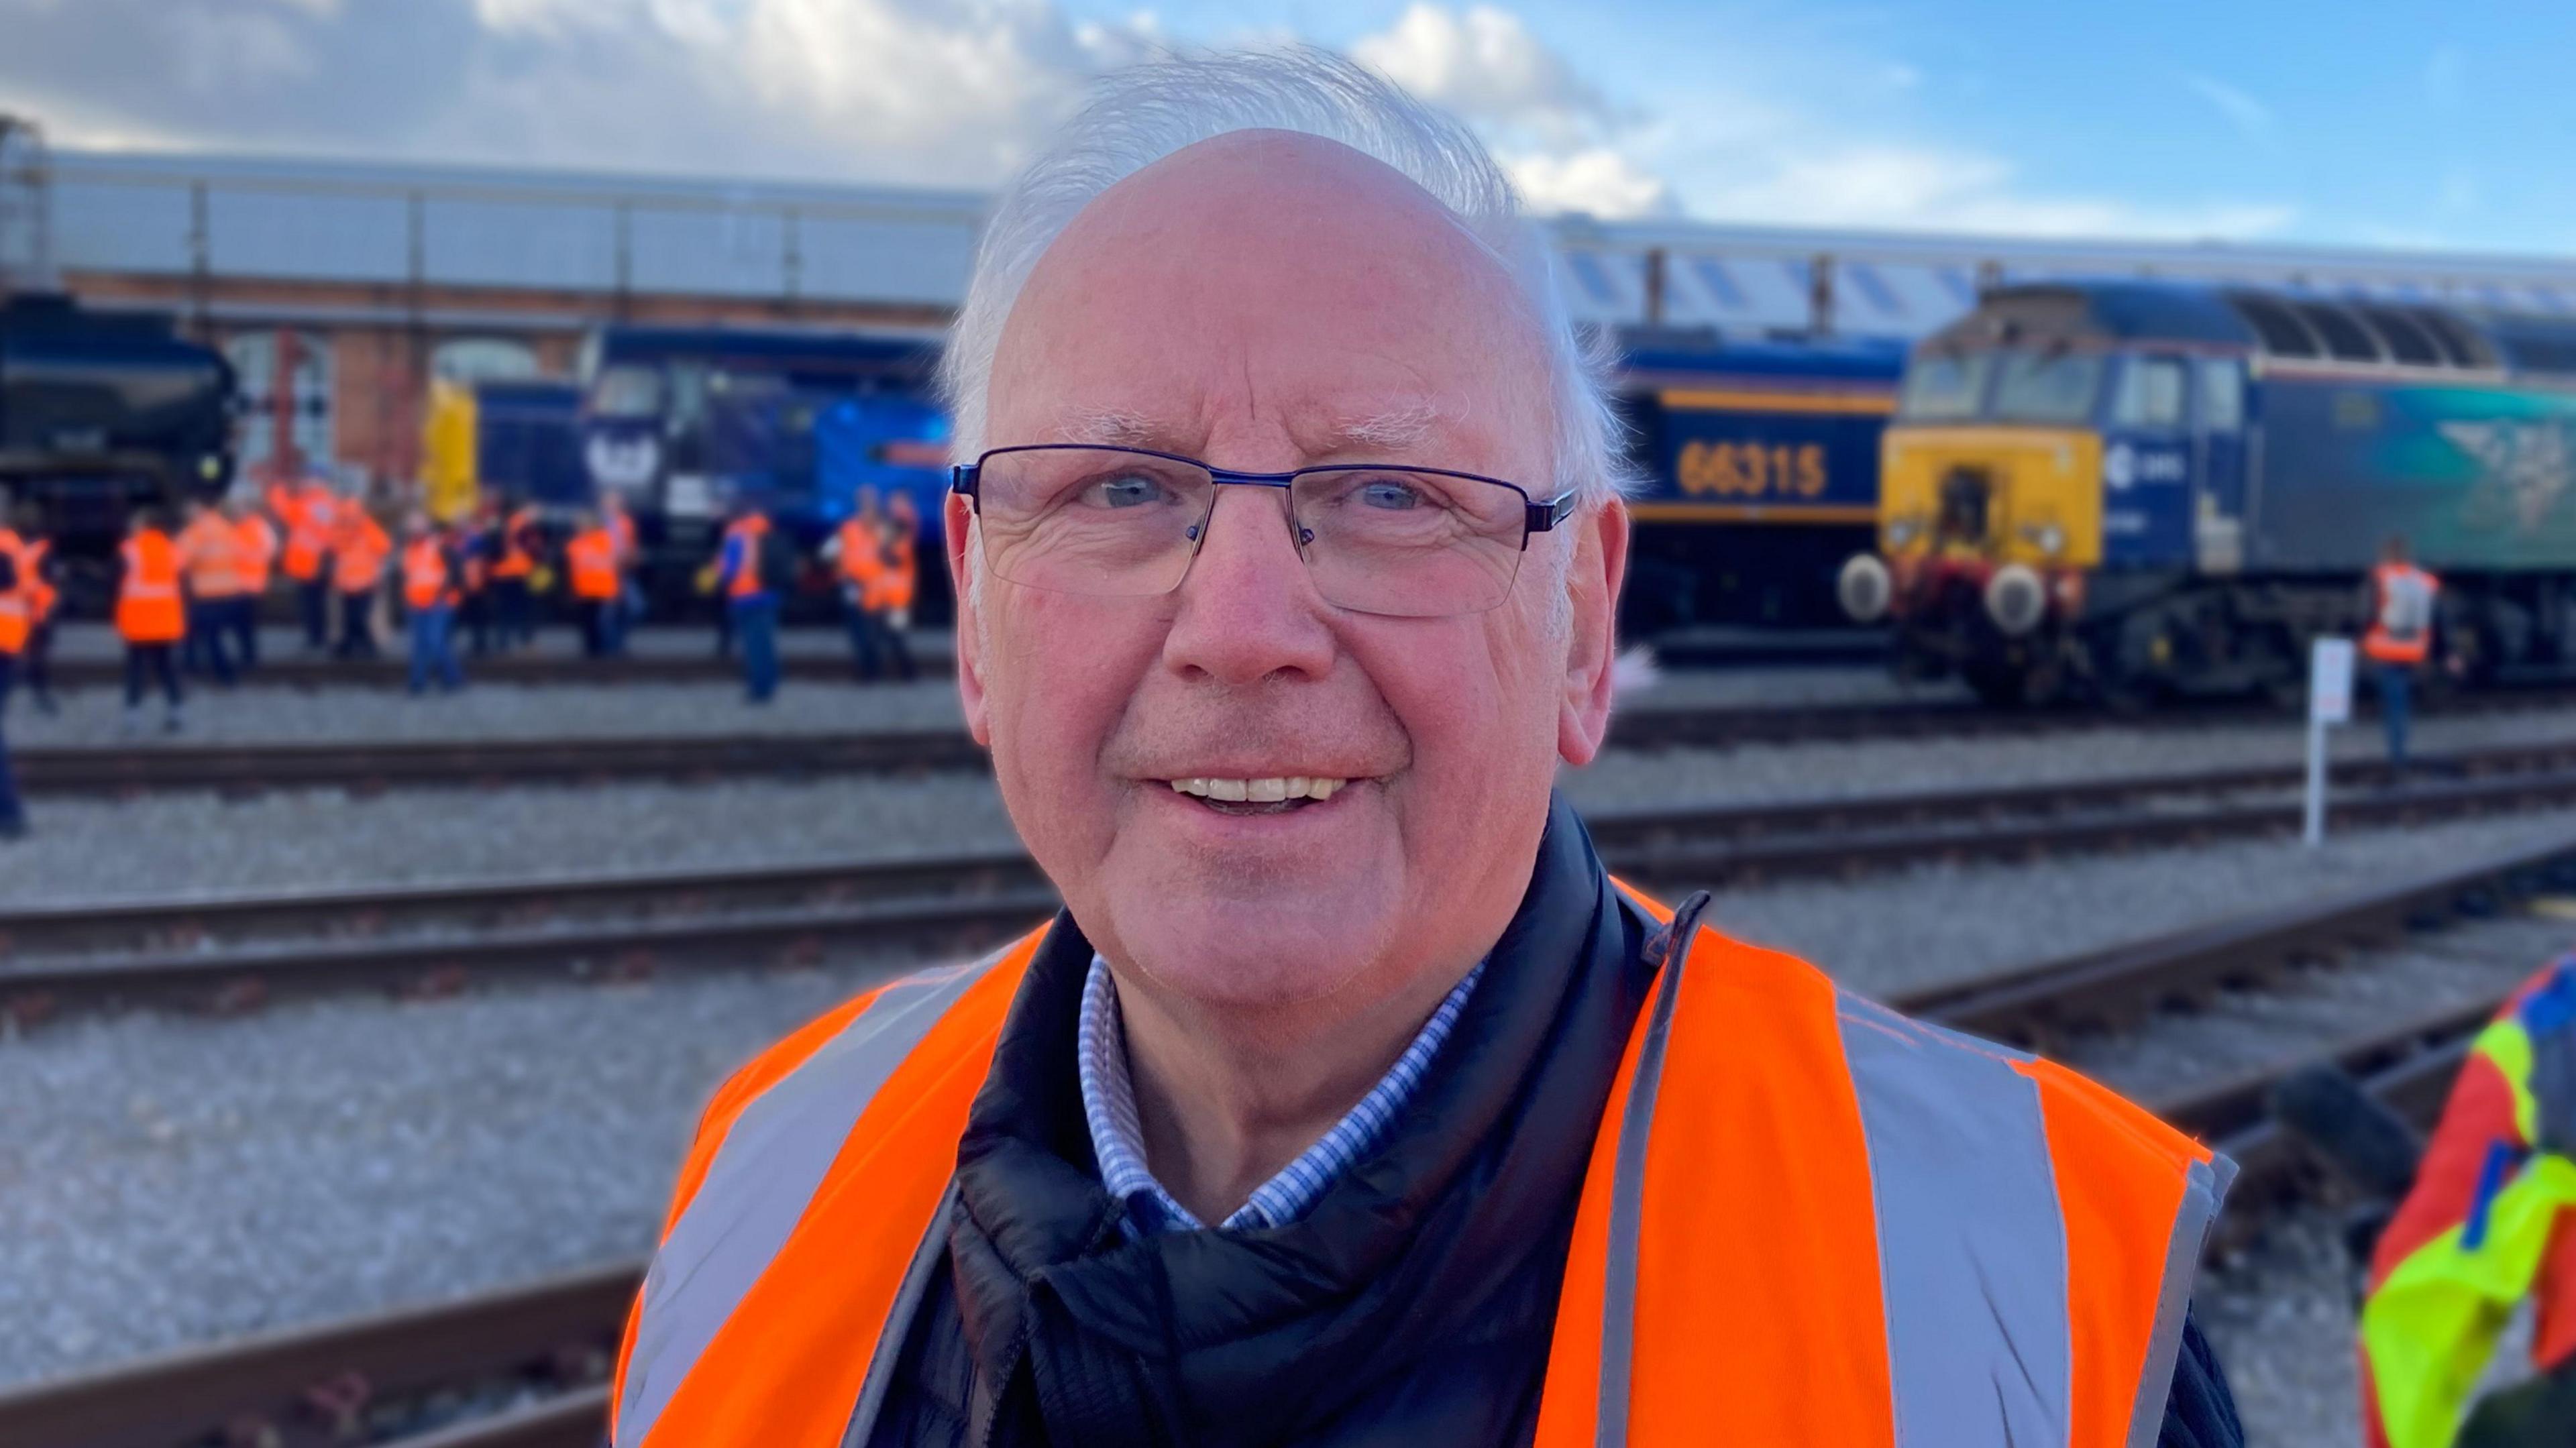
[(1348, 1100)]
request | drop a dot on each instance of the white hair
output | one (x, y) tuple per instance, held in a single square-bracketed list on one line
[(1146, 112)]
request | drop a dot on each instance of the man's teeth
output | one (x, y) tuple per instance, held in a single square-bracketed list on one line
[(1260, 791)]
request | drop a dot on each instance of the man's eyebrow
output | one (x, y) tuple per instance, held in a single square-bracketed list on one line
[(1110, 429), (1399, 427)]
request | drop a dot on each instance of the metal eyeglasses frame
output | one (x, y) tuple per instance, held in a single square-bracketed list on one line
[(965, 480)]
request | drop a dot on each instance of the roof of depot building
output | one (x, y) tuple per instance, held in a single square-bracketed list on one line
[(551, 231)]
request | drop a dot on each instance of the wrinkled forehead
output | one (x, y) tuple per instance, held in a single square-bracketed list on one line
[(1274, 286)]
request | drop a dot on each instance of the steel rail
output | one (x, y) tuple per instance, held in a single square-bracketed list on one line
[(299, 1385), (379, 765), (210, 952), (306, 672)]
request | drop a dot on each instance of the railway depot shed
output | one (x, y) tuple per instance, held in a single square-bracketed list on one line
[(353, 283)]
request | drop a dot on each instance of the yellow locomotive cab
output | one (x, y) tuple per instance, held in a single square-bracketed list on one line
[(2028, 495)]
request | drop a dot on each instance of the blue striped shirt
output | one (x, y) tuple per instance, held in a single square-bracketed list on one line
[(1109, 1105)]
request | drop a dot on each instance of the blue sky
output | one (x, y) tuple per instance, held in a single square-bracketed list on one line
[(2448, 127)]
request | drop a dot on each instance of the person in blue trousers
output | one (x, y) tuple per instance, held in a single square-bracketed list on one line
[(745, 578)]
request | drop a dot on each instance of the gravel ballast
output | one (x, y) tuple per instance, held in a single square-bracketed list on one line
[(167, 1180)]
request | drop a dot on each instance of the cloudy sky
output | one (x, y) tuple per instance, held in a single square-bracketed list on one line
[(2272, 120)]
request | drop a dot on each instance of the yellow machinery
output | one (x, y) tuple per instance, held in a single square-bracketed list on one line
[(448, 484)]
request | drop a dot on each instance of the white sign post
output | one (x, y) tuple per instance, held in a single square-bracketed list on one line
[(2329, 703)]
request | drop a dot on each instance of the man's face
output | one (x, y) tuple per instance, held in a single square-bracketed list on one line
[(1263, 301)]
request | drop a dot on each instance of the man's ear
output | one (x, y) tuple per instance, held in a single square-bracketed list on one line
[(1592, 582), (959, 533)]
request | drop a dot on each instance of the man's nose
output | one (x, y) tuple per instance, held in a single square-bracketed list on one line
[(1248, 606)]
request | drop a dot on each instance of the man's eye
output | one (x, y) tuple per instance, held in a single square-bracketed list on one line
[(1130, 491), (1390, 494)]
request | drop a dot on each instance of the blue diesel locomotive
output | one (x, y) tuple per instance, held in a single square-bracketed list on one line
[(2122, 490), (1758, 468)]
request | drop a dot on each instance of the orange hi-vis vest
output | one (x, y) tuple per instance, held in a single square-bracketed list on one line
[(424, 574), (358, 563), (41, 595), (210, 557), (746, 574), (1924, 1238), (311, 515), (896, 582), (591, 558), (258, 544), (17, 613), (862, 558), (518, 556), (2401, 620), (147, 597)]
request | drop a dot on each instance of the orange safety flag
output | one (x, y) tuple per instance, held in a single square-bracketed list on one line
[(591, 557), (147, 596), (359, 554), (1940, 1240), (210, 557), (312, 520), (424, 574), (258, 544), (41, 595)]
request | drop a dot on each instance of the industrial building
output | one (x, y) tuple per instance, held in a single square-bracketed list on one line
[(353, 283)]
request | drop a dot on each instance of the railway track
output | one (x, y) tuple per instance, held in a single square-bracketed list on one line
[(250, 769), (230, 953), (535, 1357), (303, 671)]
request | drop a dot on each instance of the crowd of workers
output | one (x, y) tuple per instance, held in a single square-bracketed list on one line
[(189, 592)]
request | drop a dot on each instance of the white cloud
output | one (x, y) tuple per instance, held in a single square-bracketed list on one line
[(1600, 180), (1484, 64), (956, 93), (1941, 190)]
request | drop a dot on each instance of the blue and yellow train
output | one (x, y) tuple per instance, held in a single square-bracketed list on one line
[(2122, 490), (1758, 469)]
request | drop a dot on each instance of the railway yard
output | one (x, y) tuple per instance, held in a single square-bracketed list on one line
[(348, 1042)]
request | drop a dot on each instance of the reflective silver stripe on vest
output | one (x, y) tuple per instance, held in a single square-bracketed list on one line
[(1971, 1244), (763, 1176), (1627, 1211), (2204, 1189)]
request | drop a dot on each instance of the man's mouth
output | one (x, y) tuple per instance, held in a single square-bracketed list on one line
[(1275, 794)]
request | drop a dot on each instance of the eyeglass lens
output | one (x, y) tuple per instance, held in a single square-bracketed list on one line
[(1113, 523)]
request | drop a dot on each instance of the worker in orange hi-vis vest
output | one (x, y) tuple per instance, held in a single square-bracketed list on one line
[(590, 558), (210, 565), (16, 627), (310, 511), (619, 520), (2400, 639), (431, 571), (856, 551), (150, 615), (37, 578), (890, 602), (358, 555), (258, 542), (513, 575)]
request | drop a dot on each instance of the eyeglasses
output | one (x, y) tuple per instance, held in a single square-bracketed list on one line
[(1117, 522)]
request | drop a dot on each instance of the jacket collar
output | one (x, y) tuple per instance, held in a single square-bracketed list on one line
[(1478, 1178)]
